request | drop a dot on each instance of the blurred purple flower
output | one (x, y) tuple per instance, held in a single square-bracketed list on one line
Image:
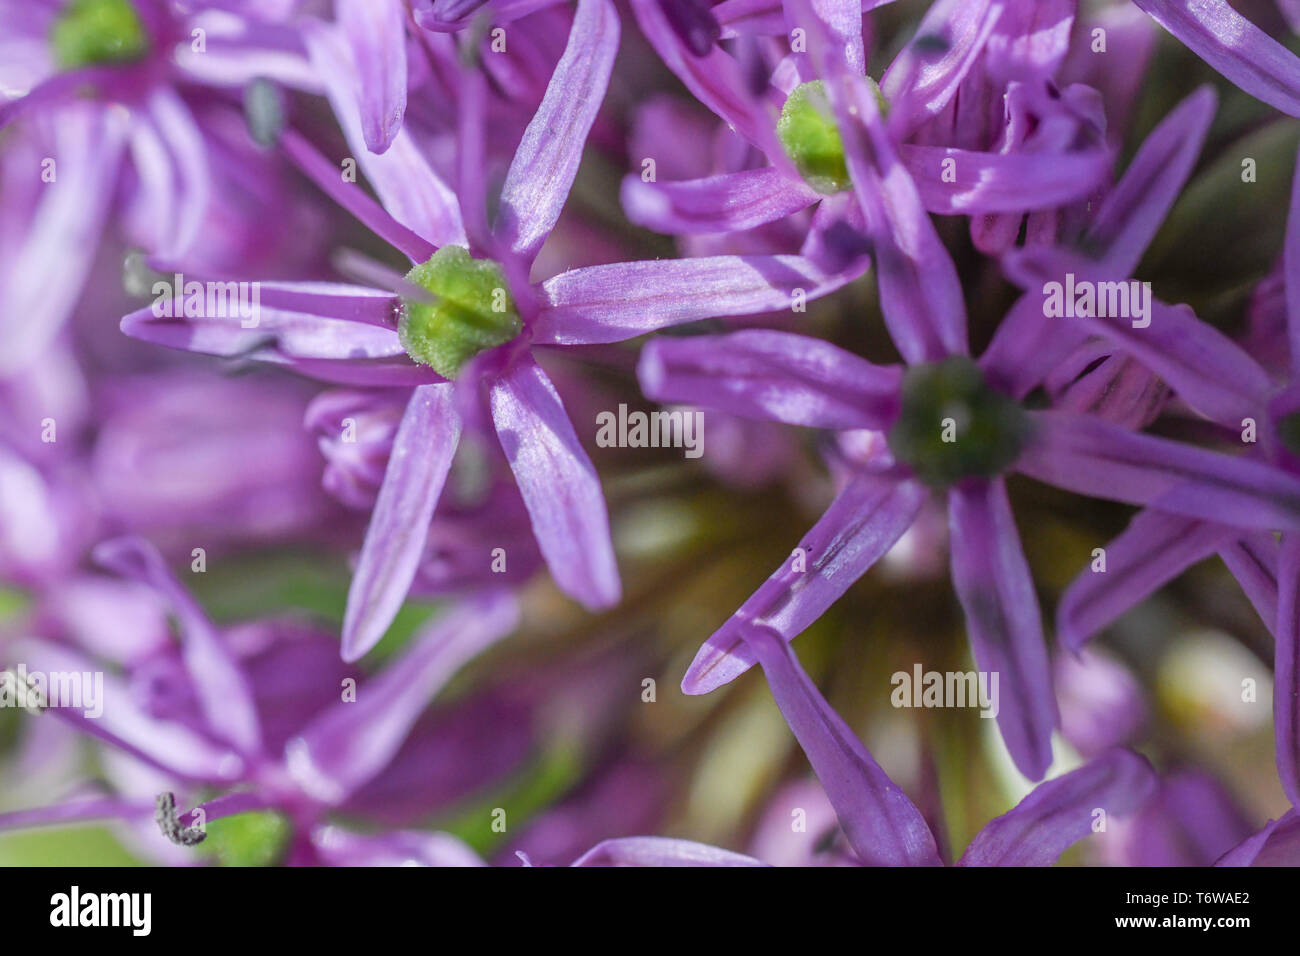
[(272, 731)]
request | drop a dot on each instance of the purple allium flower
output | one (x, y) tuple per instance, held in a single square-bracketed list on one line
[(802, 381), (450, 345)]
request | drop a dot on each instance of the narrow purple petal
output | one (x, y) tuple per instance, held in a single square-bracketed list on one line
[(1286, 668), (338, 847), (1060, 812), (417, 469), (1132, 212), (350, 196), (749, 18), (920, 293), (610, 303), (355, 740), (187, 152), (451, 16), (843, 25), (1005, 626), (883, 826), (45, 272), (322, 346), (1153, 550), (1253, 562), (57, 89), (409, 189), (471, 159), (861, 525), (724, 203), (546, 161), (661, 851), (1234, 46), (78, 811), (1027, 345), (332, 300), (1105, 461), (558, 483), (376, 30), (772, 375)]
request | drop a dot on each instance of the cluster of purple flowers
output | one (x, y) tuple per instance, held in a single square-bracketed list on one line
[(401, 222)]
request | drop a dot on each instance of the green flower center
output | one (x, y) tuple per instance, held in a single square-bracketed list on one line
[(953, 426), (472, 311), (808, 133), (93, 32)]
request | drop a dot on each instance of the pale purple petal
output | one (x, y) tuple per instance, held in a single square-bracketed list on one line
[(547, 159), (44, 275), (312, 344), (376, 30), (408, 187), (369, 213), (417, 469), (715, 79), (661, 851), (74, 812), (1027, 345), (843, 24), (338, 847), (610, 303), (920, 292), (558, 483), (1132, 212), (188, 154), (167, 745), (1209, 371), (1253, 562)]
